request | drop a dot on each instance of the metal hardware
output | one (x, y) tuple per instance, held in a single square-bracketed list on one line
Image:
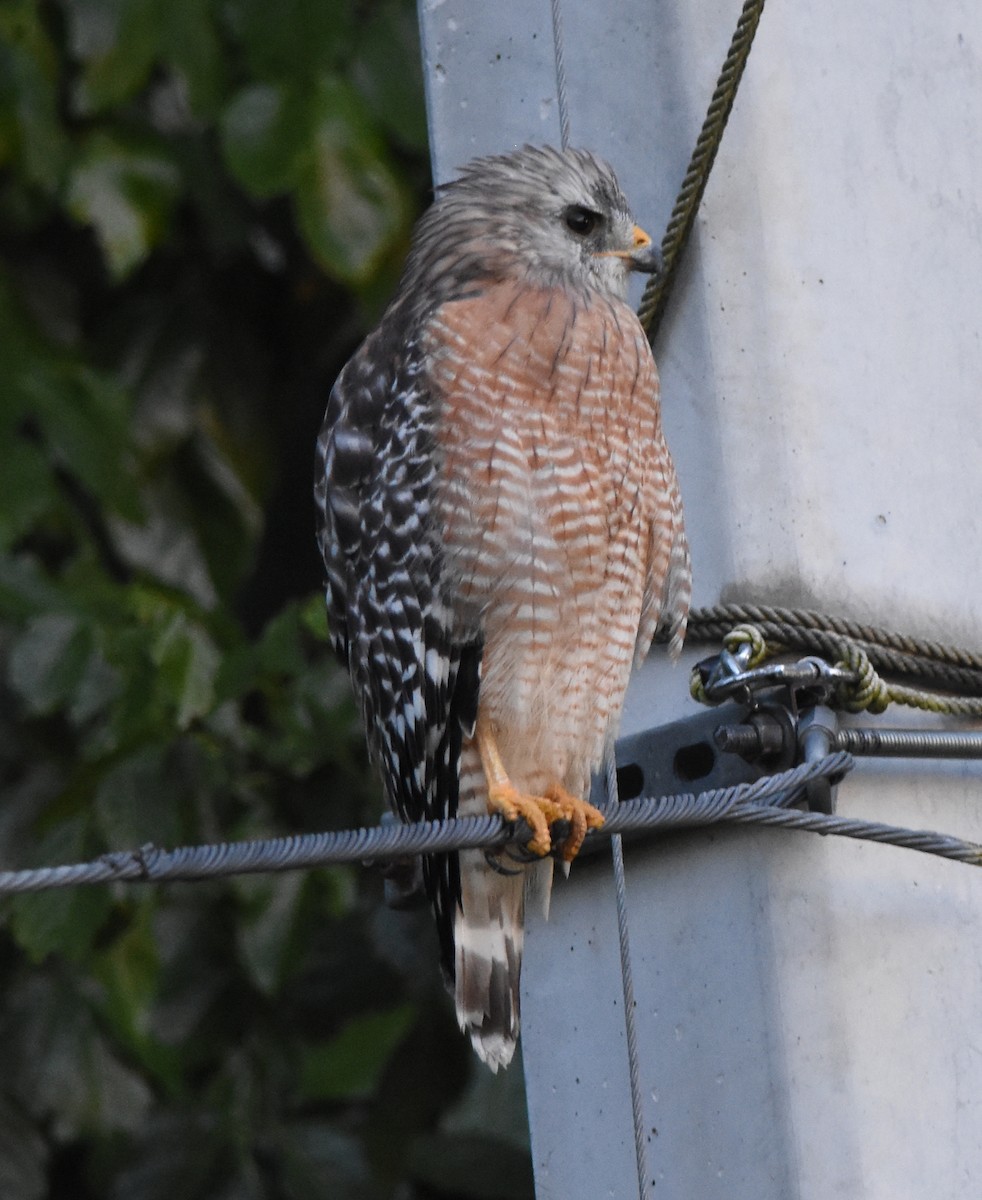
[(766, 735), (910, 743), (726, 677), (788, 719), (762, 737), (816, 734)]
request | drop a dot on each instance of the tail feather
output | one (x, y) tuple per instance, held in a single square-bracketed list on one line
[(488, 937)]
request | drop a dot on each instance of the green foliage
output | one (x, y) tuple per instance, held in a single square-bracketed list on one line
[(202, 205)]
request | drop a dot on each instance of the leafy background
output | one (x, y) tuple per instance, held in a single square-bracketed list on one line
[(203, 205)]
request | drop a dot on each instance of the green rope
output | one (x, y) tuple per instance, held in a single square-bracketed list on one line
[(710, 624), (683, 216), (867, 692), (864, 650)]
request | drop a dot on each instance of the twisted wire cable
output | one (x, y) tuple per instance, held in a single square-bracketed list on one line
[(745, 802), (562, 96), (926, 841)]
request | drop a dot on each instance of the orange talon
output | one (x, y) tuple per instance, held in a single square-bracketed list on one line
[(581, 816), (537, 811)]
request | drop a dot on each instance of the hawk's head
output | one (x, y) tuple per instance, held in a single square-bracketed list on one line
[(550, 217)]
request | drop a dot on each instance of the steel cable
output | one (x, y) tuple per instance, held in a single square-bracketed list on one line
[(562, 96), (746, 802), (627, 980)]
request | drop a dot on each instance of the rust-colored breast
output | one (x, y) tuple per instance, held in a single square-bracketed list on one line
[(553, 475)]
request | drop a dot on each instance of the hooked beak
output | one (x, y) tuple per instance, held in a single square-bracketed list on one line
[(644, 255)]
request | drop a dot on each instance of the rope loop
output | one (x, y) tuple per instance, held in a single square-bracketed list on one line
[(733, 641), (868, 693), (747, 635), (697, 689)]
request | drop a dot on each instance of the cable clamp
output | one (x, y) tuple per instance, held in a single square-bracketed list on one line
[(726, 677)]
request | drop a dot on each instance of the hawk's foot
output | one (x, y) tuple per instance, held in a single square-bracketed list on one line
[(581, 816), (538, 812)]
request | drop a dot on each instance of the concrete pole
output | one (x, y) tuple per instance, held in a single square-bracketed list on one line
[(808, 1008)]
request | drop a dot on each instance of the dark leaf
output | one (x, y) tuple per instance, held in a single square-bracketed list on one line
[(164, 544), (265, 130), (180, 1155), (27, 490), (388, 72), (117, 42), (137, 800), (126, 192), (351, 203), (59, 1064), (305, 37), (319, 1160), (31, 137), (83, 420), (62, 921), (191, 44), (49, 660), (281, 649), (350, 1065), (267, 931), (187, 660), (473, 1168)]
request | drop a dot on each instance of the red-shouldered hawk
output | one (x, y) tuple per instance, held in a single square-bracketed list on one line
[(502, 530)]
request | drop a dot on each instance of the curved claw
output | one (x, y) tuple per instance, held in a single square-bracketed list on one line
[(557, 821), (581, 816), (518, 850), (494, 862), (537, 811), (556, 807)]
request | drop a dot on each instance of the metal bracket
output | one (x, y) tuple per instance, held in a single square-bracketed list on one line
[(679, 757), (789, 719)]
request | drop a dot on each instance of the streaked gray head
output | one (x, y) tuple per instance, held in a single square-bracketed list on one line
[(549, 217)]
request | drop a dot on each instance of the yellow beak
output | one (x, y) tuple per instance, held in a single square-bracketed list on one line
[(643, 256)]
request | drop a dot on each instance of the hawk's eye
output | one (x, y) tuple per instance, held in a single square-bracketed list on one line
[(580, 220)]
